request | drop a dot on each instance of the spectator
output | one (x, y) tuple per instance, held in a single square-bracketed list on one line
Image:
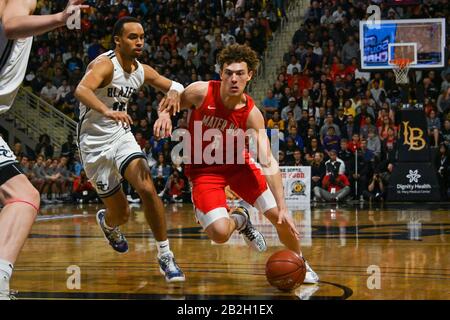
[(62, 92), (270, 104), (281, 158), (349, 50), (69, 148), (276, 121), (44, 146), (292, 106), (161, 170), (344, 153), (376, 190), (335, 186), (434, 126), (147, 150), (443, 165), (355, 143), (312, 149), (331, 141), (329, 122), (446, 132), (348, 127), (294, 64), (83, 191), (293, 133), (364, 129), (335, 162), (443, 102), (374, 143), (298, 160), (317, 170), (173, 191), (49, 92), (360, 169)]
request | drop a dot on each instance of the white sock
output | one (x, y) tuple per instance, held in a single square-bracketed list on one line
[(6, 269), (240, 220), (163, 247)]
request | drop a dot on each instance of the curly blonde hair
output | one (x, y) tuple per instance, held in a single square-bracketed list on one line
[(239, 53)]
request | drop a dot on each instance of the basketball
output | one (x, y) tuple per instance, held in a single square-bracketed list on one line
[(285, 270)]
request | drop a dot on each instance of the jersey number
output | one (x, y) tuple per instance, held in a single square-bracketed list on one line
[(119, 106)]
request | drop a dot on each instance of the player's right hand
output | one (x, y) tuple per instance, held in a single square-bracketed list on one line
[(72, 6), (119, 117), (162, 124)]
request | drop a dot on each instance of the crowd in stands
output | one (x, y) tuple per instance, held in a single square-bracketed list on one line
[(329, 115), (342, 122)]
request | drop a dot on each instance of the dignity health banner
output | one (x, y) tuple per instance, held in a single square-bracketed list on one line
[(297, 184)]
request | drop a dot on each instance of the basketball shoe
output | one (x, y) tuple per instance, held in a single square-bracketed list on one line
[(252, 237), (310, 277), (169, 268), (5, 292), (115, 237)]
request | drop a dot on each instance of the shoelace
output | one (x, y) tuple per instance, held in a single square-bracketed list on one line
[(249, 233), (170, 263), (116, 235)]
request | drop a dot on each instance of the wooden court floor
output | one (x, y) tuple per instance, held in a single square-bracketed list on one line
[(359, 252)]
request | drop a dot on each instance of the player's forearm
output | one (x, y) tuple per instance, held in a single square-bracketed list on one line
[(89, 99), (27, 26), (275, 182)]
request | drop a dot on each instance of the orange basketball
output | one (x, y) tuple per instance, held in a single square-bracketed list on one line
[(285, 270)]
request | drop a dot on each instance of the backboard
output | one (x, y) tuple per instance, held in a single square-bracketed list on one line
[(420, 40)]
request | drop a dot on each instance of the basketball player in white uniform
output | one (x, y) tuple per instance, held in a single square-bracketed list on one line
[(109, 152), (20, 200)]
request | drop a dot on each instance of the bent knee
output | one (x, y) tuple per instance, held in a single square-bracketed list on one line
[(219, 231), (220, 238)]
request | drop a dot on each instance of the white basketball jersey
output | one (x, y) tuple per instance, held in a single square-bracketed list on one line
[(14, 55), (96, 131)]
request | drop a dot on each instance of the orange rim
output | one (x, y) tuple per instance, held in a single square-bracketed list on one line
[(401, 62)]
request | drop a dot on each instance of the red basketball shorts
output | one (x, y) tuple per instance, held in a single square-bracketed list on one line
[(208, 190)]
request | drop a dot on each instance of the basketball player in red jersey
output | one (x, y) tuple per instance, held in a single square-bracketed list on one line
[(223, 105)]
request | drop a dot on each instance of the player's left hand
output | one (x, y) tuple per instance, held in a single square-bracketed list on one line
[(283, 216), (170, 103), (163, 123)]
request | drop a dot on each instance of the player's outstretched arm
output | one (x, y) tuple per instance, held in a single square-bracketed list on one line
[(99, 73), (172, 89), (18, 21), (269, 165), (193, 95)]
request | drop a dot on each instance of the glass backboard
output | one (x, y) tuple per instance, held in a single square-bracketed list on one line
[(420, 40)]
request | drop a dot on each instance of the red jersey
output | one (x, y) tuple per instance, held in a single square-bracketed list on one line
[(212, 114)]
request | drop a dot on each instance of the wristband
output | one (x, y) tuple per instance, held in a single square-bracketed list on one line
[(178, 87)]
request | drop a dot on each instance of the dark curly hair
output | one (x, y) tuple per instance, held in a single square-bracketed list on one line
[(239, 53)]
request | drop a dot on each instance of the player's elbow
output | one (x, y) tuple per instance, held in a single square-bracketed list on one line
[(78, 92), (9, 31)]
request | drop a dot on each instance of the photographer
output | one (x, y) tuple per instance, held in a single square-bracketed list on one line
[(83, 191), (376, 191), (173, 191), (336, 186)]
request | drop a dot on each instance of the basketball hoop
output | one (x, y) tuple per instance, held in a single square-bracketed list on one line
[(401, 68)]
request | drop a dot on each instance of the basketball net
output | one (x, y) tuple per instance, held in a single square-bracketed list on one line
[(401, 68)]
